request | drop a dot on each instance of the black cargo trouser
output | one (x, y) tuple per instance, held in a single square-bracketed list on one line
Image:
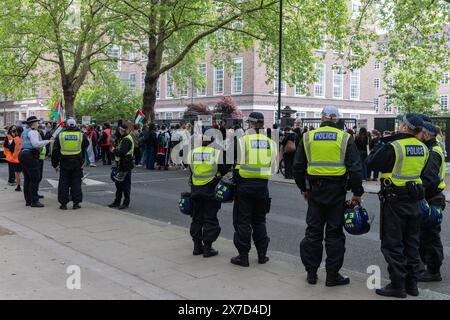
[(123, 189), (249, 219), (31, 174), (205, 225), (69, 187), (401, 238), (431, 249), (326, 205)]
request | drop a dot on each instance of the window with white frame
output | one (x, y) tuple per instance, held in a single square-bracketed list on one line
[(444, 103), (158, 84), (298, 90), (445, 77), (355, 84), (115, 53), (132, 81), (319, 86), (356, 6), (203, 71), (338, 82), (132, 55), (387, 105), (377, 65), (157, 116), (376, 83), (183, 92), (355, 116), (317, 115), (142, 81), (169, 115), (218, 79), (376, 104), (180, 115), (236, 78), (169, 85), (275, 86), (323, 47), (301, 114)]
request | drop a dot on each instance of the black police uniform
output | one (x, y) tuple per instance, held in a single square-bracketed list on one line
[(126, 164), (400, 222), (431, 249), (326, 204), (205, 228), (71, 172)]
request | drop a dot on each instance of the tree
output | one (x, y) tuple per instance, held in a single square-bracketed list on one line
[(54, 40), (227, 109), (177, 35), (106, 98)]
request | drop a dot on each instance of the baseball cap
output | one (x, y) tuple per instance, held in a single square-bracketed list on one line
[(330, 112), (71, 123), (257, 117), (430, 128)]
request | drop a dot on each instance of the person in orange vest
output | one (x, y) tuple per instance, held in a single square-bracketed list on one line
[(6, 150), (15, 148)]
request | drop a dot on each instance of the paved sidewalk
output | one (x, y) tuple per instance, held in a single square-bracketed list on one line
[(124, 256)]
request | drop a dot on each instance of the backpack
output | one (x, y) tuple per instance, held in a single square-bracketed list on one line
[(162, 140)]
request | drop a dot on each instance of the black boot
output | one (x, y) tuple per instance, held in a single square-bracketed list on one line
[(37, 205), (198, 248), (76, 206), (208, 250), (429, 276), (336, 279), (411, 287), (63, 207), (392, 291), (114, 205), (262, 258), (240, 260), (311, 277)]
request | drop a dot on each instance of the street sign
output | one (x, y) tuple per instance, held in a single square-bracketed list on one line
[(206, 120), (86, 120)]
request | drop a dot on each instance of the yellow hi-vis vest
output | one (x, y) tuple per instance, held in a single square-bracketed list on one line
[(411, 155), (325, 150), (43, 152), (131, 151), (204, 165), (257, 153), (70, 142), (438, 150)]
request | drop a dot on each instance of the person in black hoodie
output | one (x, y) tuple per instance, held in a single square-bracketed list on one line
[(123, 155)]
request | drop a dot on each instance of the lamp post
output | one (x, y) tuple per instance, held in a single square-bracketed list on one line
[(280, 50)]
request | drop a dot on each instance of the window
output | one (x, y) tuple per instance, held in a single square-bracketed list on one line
[(355, 116), (157, 89), (319, 86), (218, 80), (356, 5), (132, 81), (132, 55), (115, 52), (355, 84), (180, 115), (376, 104), (169, 85), (169, 115), (236, 78), (377, 65), (338, 82), (444, 103), (444, 79), (275, 86), (323, 47), (297, 90), (300, 115), (184, 91), (317, 115), (376, 83), (387, 105), (157, 116), (142, 81), (203, 71)]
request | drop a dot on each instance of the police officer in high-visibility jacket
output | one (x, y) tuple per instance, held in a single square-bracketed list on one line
[(31, 145), (123, 156), (252, 202), (68, 155), (431, 249), (326, 165), (206, 169), (401, 159)]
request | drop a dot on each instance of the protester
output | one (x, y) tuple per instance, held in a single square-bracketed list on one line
[(289, 143), (362, 143), (162, 158), (105, 143)]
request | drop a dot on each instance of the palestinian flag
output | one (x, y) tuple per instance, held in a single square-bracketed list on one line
[(58, 113), (139, 117)]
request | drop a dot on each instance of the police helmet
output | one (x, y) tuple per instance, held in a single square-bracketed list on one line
[(224, 190), (431, 215), (357, 220), (185, 203)]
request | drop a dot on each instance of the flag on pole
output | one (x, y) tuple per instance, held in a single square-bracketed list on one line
[(139, 117), (59, 114)]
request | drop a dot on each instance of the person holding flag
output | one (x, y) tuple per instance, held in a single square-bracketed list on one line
[(139, 117)]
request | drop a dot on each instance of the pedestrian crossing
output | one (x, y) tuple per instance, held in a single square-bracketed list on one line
[(87, 182)]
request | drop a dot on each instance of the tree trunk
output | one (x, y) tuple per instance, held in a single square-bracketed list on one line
[(69, 99), (149, 98)]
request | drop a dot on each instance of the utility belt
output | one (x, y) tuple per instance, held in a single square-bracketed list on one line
[(34, 152), (412, 190), (316, 182)]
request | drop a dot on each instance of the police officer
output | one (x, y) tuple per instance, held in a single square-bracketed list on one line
[(252, 202), (31, 143), (401, 159), (123, 155), (326, 165), (431, 249), (205, 174), (68, 155)]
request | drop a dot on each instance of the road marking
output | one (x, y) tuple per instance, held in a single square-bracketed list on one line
[(54, 183), (91, 182)]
